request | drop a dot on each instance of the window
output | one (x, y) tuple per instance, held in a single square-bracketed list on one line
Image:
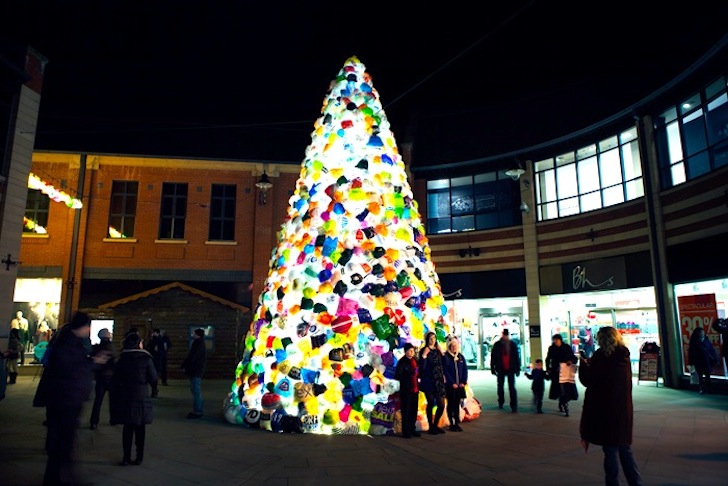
[(173, 211), (122, 209), (36, 212), (691, 137), (482, 201), (222, 212), (592, 177)]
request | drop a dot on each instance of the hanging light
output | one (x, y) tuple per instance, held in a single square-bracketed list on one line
[(263, 185)]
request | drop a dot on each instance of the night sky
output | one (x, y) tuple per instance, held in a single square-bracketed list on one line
[(245, 80)]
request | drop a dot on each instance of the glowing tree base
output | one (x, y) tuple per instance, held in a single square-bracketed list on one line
[(350, 281)]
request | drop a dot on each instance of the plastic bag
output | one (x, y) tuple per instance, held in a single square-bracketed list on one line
[(694, 378)]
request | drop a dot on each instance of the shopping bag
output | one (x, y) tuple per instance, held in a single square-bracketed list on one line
[(694, 378)]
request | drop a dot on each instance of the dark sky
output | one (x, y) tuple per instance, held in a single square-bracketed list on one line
[(245, 80)]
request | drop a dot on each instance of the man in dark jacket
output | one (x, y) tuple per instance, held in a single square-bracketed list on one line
[(505, 362), (102, 373), (194, 366), (68, 378)]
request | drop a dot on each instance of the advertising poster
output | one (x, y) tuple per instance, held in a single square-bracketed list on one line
[(699, 311)]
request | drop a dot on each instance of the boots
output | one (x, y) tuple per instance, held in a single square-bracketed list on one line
[(139, 455), (13, 378), (140, 436)]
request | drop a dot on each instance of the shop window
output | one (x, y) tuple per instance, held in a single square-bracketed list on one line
[(222, 212), (36, 212), (173, 211), (122, 209)]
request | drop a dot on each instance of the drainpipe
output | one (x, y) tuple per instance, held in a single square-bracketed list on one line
[(71, 283)]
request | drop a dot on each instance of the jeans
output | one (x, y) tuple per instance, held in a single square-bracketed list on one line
[(623, 454), (512, 394), (196, 389), (102, 386)]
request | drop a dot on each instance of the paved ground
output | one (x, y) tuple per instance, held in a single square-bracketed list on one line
[(681, 438)]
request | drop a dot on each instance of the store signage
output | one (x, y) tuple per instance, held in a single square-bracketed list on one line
[(603, 274), (699, 311)]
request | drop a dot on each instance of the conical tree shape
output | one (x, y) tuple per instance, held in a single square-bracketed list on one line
[(350, 281)]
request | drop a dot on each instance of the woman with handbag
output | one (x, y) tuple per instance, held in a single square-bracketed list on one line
[(456, 377)]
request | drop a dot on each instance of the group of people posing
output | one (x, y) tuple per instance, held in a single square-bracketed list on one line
[(441, 375)]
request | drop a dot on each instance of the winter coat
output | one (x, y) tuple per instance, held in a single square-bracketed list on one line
[(538, 376), (196, 360), (496, 358), (702, 355), (157, 347), (15, 347), (131, 401), (607, 414), (554, 357), (105, 347), (67, 378), (404, 373), (432, 377), (456, 371)]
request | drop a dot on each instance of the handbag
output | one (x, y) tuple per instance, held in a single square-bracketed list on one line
[(694, 377), (461, 393)]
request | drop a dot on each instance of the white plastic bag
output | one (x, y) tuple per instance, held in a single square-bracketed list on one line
[(694, 378)]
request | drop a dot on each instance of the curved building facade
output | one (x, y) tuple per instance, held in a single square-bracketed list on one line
[(623, 223)]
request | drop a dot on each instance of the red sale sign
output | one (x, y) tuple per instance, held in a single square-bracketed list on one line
[(699, 311)]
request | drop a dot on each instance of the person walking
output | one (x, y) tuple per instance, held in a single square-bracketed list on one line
[(194, 367), (538, 384), (12, 354), (703, 357), (505, 363), (156, 349), (131, 403), (607, 415), (64, 386), (102, 374), (558, 353), (407, 374), (432, 382), (164, 346), (456, 377)]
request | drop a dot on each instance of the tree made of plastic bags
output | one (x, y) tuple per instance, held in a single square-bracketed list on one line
[(350, 281)]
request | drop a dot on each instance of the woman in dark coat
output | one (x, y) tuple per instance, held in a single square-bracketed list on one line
[(456, 377), (607, 415), (432, 382), (560, 352), (702, 355), (131, 402)]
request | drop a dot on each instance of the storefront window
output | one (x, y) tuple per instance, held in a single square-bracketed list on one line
[(578, 317), (698, 305)]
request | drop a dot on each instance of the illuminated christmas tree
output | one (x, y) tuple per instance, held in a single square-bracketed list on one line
[(350, 281)]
